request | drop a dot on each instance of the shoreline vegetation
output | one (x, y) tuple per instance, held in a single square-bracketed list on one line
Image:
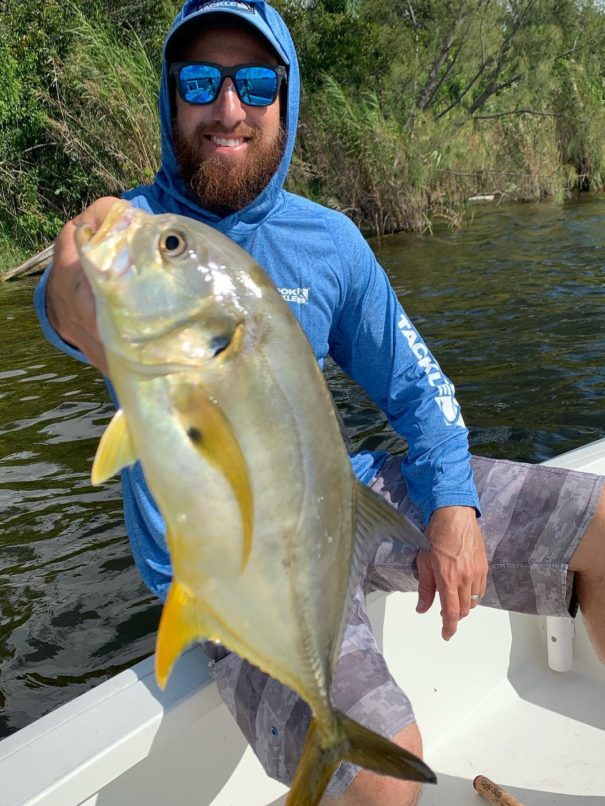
[(409, 108)]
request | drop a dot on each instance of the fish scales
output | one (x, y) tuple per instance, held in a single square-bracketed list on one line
[(223, 403)]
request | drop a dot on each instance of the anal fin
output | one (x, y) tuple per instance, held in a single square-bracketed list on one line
[(181, 624)]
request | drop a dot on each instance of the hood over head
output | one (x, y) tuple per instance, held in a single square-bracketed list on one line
[(168, 192)]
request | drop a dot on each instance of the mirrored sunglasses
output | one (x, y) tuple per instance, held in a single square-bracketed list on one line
[(200, 82)]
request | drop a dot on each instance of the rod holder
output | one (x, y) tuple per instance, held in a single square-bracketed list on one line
[(559, 638)]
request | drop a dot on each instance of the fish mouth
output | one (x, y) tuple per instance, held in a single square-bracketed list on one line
[(117, 220)]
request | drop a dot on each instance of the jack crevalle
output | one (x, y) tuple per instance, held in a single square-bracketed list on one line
[(223, 403)]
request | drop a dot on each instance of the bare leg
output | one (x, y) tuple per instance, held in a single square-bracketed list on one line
[(588, 561), (370, 789)]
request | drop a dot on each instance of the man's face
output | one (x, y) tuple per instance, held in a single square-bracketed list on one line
[(227, 151)]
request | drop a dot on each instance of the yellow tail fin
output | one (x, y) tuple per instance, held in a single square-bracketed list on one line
[(358, 745)]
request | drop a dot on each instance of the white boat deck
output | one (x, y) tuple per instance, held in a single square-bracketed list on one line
[(487, 703)]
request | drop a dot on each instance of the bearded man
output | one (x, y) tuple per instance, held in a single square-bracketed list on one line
[(227, 151), (229, 106)]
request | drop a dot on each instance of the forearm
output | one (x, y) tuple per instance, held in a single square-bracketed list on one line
[(438, 474), (47, 327)]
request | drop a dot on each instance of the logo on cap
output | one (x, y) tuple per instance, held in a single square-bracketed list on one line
[(219, 5)]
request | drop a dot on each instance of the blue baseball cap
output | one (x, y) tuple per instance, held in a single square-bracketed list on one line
[(194, 11)]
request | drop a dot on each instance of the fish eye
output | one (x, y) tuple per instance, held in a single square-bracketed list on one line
[(173, 243)]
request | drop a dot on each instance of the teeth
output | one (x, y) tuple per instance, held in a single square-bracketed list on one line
[(224, 141)]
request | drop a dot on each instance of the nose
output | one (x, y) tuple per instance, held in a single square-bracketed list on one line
[(228, 109)]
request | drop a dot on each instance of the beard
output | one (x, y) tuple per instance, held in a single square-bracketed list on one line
[(219, 183)]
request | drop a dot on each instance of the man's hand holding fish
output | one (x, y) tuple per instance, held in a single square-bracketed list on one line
[(70, 301)]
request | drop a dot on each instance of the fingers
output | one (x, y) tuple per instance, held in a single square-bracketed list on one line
[(471, 594), (69, 299), (426, 583), (95, 213), (477, 592), (464, 598), (458, 563), (456, 604)]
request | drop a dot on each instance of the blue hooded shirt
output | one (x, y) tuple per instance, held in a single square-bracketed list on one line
[(343, 300)]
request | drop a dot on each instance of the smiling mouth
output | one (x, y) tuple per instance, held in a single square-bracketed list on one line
[(227, 142)]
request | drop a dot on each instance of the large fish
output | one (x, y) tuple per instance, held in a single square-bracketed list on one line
[(224, 404)]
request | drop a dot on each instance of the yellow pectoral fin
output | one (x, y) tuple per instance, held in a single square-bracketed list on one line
[(115, 450), (212, 435), (181, 624)]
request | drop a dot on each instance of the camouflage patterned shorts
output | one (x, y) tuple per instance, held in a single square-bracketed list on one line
[(533, 519)]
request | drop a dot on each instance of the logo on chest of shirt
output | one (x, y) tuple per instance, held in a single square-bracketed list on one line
[(298, 295)]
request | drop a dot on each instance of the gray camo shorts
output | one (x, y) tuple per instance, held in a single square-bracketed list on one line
[(533, 518)]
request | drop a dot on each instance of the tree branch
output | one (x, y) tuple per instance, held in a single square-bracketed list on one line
[(492, 89), (433, 82), (467, 89), (517, 112)]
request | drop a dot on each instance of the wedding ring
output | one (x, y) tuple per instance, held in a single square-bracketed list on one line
[(475, 597)]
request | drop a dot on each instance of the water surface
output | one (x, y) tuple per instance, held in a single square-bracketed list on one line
[(512, 306)]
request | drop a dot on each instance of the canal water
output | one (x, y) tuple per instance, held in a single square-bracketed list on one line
[(513, 307)]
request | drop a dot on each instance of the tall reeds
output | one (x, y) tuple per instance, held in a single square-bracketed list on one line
[(103, 108), (391, 175), (76, 121)]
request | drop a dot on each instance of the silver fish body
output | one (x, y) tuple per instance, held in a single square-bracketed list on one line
[(225, 406)]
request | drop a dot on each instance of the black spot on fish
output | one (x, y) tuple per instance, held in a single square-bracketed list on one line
[(195, 435)]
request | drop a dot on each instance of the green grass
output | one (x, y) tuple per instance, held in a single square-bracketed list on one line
[(11, 255), (103, 112)]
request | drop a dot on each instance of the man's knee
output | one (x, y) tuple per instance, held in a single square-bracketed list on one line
[(371, 789)]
